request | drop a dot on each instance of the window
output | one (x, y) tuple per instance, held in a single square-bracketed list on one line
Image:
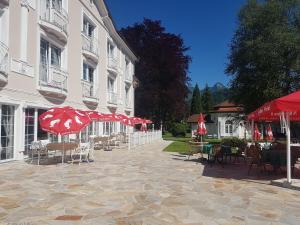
[(127, 66), (29, 129), (109, 128), (88, 73), (88, 27), (7, 114), (127, 89), (111, 85), (110, 50), (33, 128), (228, 127), (50, 54), (57, 4), (123, 128)]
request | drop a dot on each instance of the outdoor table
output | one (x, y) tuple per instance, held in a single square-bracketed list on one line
[(231, 152), (277, 157)]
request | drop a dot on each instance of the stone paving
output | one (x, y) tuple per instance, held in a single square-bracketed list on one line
[(140, 187)]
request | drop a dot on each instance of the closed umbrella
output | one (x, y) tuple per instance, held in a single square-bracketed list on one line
[(257, 134), (144, 126), (201, 129), (269, 133)]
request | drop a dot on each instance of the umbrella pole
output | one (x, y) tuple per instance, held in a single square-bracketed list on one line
[(252, 130), (288, 148)]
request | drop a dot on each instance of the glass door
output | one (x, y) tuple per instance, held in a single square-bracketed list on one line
[(7, 114)]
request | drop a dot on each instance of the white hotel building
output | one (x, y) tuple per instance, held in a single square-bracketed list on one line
[(58, 53)]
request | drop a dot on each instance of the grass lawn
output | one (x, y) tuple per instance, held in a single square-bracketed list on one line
[(181, 144)]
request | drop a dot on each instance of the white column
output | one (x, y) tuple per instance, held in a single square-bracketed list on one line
[(288, 148), (18, 132), (35, 124), (24, 30)]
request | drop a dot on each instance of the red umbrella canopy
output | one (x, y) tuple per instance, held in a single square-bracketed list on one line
[(148, 121), (257, 134), (64, 120), (201, 125), (269, 133), (270, 111), (95, 115), (125, 120), (137, 120), (103, 117)]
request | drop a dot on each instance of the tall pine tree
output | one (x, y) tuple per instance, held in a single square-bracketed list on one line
[(196, 106), (207, 101)]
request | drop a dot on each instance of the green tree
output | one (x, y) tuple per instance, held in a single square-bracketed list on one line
[(162, 71), (264, 60), (196, 106), (207, 101)]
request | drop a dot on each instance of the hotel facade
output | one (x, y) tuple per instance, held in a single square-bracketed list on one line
[(55, 53)]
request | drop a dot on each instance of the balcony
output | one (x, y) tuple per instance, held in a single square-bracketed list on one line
[(90, 48), (53, 81), (4, 4), (113, 65), (112, 98), (89, 93), (55, 21), (3, 63)]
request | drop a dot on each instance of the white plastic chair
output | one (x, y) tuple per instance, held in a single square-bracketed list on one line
[(82, 152)]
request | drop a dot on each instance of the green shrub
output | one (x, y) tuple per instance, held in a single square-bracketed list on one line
[(234, 142), (178, 129)]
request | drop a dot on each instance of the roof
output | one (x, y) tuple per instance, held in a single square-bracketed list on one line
[(110, 25), (194, 118), (227, 107), (225, 104)]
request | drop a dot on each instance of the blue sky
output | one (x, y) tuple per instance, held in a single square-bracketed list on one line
[(207, 27)]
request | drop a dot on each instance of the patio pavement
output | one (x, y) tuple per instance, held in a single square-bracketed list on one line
[(143, 186)]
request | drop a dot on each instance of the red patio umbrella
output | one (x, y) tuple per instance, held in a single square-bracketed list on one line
[(269, 133), (201, 129), (64, 120), (256, 134), (285, 110), (95, 115)]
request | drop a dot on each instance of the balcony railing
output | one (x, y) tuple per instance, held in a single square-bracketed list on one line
[(3, 58), (53, 77), (112, 98), (112, 63), (56, 16), (88, 90), (90, 44)]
